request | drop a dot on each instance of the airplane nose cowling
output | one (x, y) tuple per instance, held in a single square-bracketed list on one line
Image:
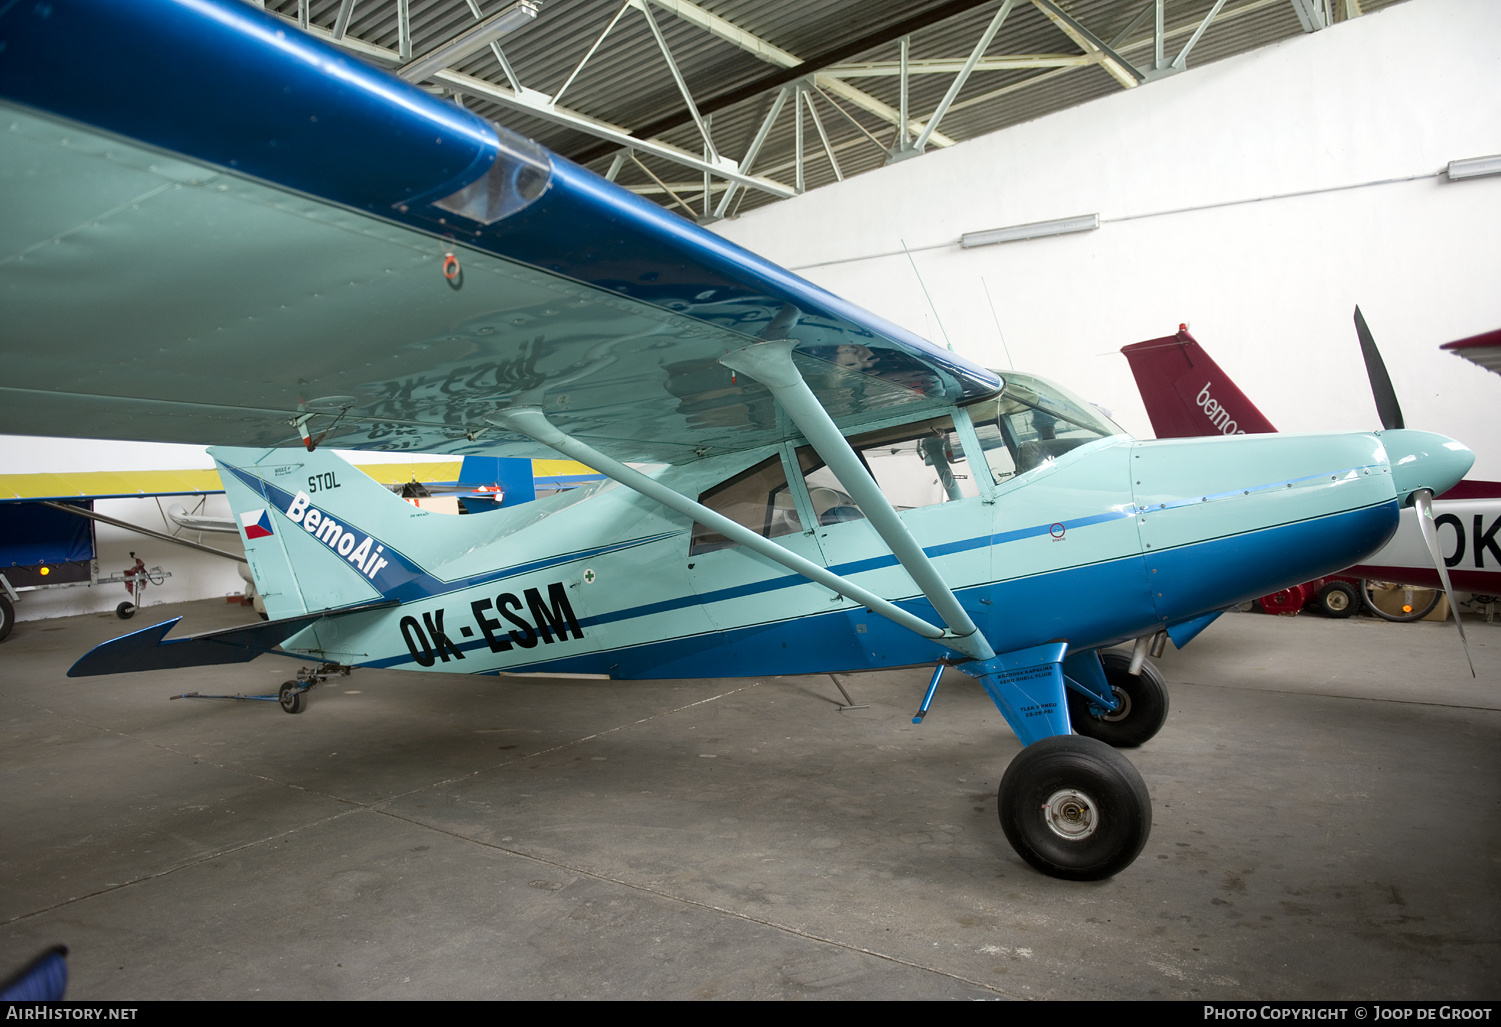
[(1424, 460)]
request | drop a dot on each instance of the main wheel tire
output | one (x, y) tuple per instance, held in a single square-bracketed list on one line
[(1338, 599), (291, 696), (1143, 705), (125, 611), (1399, 603), (7, 616), (1074, 808)]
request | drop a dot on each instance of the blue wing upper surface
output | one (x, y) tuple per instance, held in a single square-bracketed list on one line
[(215, 223)]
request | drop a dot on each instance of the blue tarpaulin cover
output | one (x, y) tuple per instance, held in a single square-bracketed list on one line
[(32, 534)]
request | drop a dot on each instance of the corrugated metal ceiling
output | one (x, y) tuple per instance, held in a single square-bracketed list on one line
[(629, 84)]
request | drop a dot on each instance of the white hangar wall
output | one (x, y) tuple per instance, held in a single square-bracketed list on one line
[(1267, 286)]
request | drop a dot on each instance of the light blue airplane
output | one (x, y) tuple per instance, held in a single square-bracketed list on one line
[(220, 230)]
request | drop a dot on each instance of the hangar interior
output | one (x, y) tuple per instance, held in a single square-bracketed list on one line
[(1252, 168)]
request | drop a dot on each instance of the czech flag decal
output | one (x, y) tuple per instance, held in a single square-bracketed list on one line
[(257, 524)]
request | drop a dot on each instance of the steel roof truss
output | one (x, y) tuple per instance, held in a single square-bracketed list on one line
[(772, 54), (590, 53), (754, 151), (729, 32), (850, 117), (1181, 61), (822, 135), (951, 65), (836, 85), (1312, 14), (969, 66), (1119, 68), (677, 76), (1135, 23), (505, 65), (905, 63), (663, 186)]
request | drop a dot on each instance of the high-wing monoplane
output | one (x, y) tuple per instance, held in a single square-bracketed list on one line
[(230, 233)]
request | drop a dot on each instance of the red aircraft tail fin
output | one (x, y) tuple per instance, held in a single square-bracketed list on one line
[(1187, 394)]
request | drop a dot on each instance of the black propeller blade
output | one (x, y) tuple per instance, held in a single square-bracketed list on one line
[(1422, 499), (1381, 382)]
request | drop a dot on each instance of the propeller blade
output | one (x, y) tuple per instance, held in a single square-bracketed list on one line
[(1381, 382), (1422, 499)]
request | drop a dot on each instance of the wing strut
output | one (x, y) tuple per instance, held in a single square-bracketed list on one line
[(533, 423), (771, 364)]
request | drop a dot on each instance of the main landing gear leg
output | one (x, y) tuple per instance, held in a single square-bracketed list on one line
[(1071, 806)]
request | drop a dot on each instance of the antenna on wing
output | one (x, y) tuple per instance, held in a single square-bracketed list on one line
[(925, 293), (1009, 362)]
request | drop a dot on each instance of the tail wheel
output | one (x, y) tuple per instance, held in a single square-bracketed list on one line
[(7, 616), (1074, 808), (292, 696), (1400, 603), (1142, 710)]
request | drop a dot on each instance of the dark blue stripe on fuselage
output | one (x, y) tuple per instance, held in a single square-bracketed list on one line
[(1195, 578), (784, 581)]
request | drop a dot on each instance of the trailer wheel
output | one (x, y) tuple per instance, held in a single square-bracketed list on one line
[(7, 616), (1338, 599), (1399, 603), (125, 611)]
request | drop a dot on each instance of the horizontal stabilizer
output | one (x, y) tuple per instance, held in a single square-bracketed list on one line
[(149, 649)]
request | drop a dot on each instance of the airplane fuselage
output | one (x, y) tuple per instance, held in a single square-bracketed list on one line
[(1169, 530)]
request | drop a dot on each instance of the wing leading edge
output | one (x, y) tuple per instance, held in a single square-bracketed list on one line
[(209, 264)]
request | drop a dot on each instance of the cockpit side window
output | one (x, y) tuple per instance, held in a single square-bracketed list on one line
[(1033, 423), (757, 498), (914, 465)]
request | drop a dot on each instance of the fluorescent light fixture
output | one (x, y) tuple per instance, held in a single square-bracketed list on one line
[(446, 55), (1037, 229), (1474, 167)]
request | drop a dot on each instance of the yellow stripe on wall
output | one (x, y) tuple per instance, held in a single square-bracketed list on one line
[(86, 484)]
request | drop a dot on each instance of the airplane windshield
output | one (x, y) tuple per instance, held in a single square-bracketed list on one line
[(1032, 423)]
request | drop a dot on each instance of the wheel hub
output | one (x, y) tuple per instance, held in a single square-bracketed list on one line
[(1123, 705), (1070, 814)]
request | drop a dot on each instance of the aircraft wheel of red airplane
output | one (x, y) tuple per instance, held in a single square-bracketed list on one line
[(125, 611), (1074, 808), (7, 617), (292, 696), (1399, 603), (1338, 599), (1143, 708)]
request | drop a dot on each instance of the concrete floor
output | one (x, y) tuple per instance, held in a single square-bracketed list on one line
[(1326, 798)]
